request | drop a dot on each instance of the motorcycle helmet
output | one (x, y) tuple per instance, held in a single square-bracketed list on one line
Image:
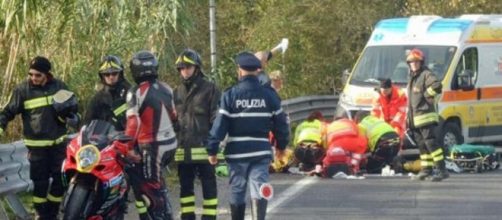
[(143, 66), (65, 103)]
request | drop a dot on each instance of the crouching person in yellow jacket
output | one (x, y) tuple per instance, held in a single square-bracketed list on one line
[(309, 150), (383, 141)]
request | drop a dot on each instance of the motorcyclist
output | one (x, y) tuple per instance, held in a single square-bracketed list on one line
[(150, 118)]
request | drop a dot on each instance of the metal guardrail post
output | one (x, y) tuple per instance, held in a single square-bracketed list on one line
[(17, 207)]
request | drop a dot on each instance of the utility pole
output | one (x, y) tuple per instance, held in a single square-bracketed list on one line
[(212, 34)]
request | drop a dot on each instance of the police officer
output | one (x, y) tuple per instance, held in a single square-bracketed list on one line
[(196, 101), (44, 131), (150, 118), (423, 118), (109, 103), (248, 151)]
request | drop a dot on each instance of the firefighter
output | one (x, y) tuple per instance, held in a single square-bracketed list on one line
[(344, 133), (383, 141), (309, 150), (109, 103), (44, 130), (422, 118), (390, 106), (196, 101), (248, 112), (150, 118)]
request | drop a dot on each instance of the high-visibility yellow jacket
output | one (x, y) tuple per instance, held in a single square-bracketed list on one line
[(374, 128), (310, 131)]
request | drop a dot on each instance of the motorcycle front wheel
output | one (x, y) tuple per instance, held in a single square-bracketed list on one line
[(77, 202)]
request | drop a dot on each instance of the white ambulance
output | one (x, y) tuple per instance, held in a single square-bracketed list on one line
[(464, 52)]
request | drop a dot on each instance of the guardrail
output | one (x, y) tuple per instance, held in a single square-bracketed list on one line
[(14, 178), (299, 108)]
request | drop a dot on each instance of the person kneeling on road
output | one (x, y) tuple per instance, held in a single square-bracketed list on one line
[(309, 150), (383, 141), (346, 147)]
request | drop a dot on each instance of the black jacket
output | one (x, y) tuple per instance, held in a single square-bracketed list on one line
[(109, 104), (41, 124), (197, 107), (248, 112), (422, 89)]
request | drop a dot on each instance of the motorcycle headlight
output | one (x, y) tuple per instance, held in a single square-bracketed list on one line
[(87, 158)]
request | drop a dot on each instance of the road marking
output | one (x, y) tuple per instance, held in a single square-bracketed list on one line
[(290, 192)]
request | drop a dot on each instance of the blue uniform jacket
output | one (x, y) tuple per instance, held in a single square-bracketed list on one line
[(248, 112)]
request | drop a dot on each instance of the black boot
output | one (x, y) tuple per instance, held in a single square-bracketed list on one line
[(424, 173), (442, 172), (259, 209), (238, 211), (53, 210), (41, 211)]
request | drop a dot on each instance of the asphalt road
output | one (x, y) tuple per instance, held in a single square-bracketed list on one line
[(462, 196)]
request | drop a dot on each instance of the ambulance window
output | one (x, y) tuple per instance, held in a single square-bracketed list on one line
[(466, 72)]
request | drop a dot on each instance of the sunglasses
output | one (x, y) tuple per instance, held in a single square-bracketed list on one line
[(109, 74), (36, 75)]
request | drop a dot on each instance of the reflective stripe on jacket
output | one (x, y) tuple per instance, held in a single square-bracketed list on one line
[(195, 154), (374, 128), (308, 130), (341, 128), (248, 112), (196, 108), (41, 125), (422, 90), (392, 109)]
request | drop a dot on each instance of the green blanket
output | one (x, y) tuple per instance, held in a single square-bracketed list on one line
[(483, 150)]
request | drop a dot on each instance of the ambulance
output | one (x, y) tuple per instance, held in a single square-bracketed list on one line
[(464, 52)]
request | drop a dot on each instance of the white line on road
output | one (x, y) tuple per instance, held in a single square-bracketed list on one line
[(290, 193)]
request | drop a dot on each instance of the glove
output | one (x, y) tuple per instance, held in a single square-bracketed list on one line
[(72, 120), (222, 170)]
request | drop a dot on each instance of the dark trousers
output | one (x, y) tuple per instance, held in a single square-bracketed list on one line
[(385, 150), (206, 173), (45, 164), (430, 151), (149, 187)]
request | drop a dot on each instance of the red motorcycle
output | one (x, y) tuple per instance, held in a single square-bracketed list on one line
[(95, 170)]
